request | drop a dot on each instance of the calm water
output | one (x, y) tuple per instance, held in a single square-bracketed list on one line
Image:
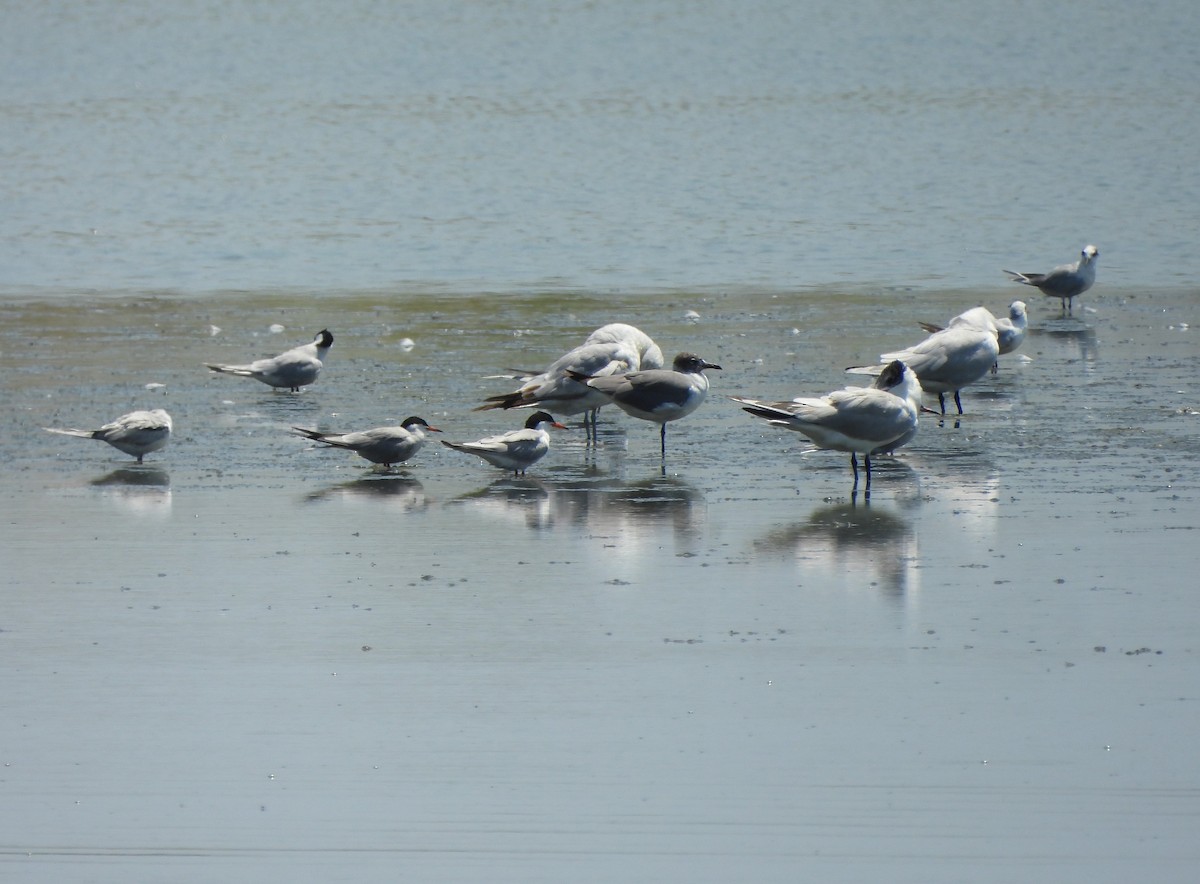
[(248, 660), (210, 146)]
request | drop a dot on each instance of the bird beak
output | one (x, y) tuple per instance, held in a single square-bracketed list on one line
[(432, 429), (558, 426), (713, 365)]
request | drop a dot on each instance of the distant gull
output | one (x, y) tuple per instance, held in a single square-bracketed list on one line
[(860, 420), (1065, 282), (516, 450), (137, 433), (658, 395), (381, 445), (946, 361), (293, 369)]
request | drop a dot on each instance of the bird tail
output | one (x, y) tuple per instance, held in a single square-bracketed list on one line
[(1020, 277), (504, 400), (309, 434), (761, 409), (70, 431), (241, 370), (930, 327)]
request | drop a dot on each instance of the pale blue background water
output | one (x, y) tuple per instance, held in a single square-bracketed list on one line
[(196, 146)]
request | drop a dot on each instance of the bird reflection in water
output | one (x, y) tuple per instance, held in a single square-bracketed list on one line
[(138, 489), (596, 503), (393, 490), (849, 539)]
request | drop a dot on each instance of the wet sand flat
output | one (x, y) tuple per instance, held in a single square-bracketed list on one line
[(248, 657)]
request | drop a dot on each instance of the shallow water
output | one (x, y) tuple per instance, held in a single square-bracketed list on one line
[(250, 655)]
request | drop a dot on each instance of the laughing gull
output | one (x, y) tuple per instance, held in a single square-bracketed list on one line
[(658, 395), (137, 433), (1010, 330), (293, 369), (556, 388), (383, 445), (516, 450), (1065, 282), (946, 361), (612, 349), (860, 420)]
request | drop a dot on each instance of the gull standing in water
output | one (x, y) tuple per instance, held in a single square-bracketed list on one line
[(860, 420), (137, 433), (1065, 282), (946, 361), (516, 450), (658, 395), (1010, 330), (612, 349), (293, 369), (382, 445)]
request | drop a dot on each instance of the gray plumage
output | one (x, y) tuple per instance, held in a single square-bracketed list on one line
[(858, 420), (1065, 282), (659, 395), (516, 450), (137, 433), (290, 370), (381, 445)]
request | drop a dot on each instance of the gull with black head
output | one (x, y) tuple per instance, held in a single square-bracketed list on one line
[(659, 395)]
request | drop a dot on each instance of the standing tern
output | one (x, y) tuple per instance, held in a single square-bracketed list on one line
[(1065, 282), (516, 450), (137, 433), (860, 420), (946, 361), (292, 369), (658, 395), (382, 445)]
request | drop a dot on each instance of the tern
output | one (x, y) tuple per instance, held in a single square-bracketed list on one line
[(1065, 282), (860, 420), (516, 450), (137, 433), (659, 395), (292, 369), (382, 445)]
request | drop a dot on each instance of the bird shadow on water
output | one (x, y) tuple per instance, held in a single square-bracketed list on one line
[(1070, 332), (138, 490), (153, 478), (849, 538), (394, 489), (595, 502)]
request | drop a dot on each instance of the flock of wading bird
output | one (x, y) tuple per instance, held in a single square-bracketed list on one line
[(620, 365)]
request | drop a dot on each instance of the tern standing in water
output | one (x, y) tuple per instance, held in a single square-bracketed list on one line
[(290, 370), (137, 433), (1066, 281)]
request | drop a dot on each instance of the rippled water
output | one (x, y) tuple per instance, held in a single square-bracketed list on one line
[(249, 659), (232, 145)]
